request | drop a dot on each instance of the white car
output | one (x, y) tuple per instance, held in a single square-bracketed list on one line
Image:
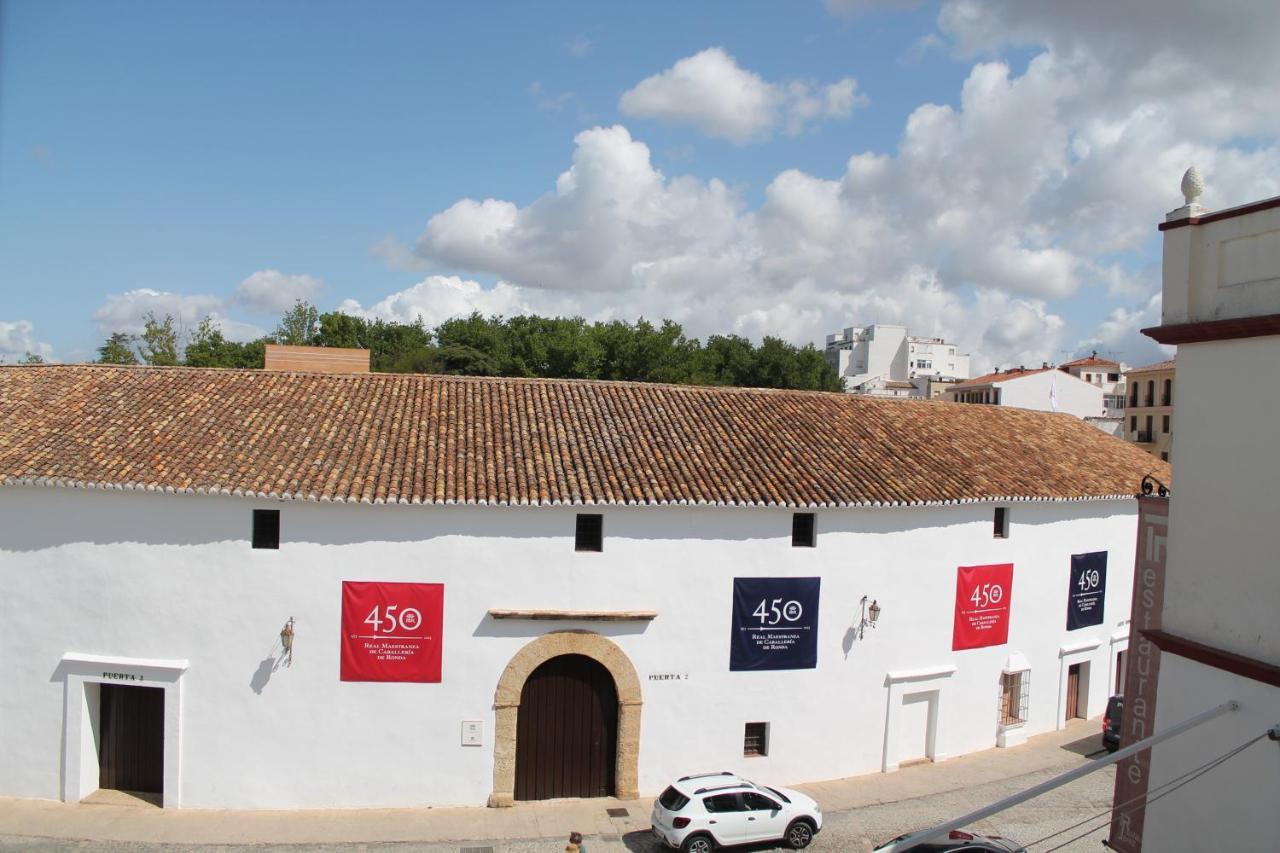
[(697, 814)]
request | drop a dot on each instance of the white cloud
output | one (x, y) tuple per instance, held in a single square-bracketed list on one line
[(991, 216), (18, 337), (273, 292), (1120, 335), (124, 312), (437, 298), (712, 92)]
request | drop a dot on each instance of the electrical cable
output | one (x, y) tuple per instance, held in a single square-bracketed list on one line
[(1126, 803), (1132, 804)]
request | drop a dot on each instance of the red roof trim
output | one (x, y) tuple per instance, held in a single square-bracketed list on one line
[(1245, 667), (1229, 213), (1216, 330)]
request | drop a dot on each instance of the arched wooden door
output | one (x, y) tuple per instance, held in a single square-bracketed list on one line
[(567, 731)]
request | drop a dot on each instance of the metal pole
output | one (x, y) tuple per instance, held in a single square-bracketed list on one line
[(1057, 781)]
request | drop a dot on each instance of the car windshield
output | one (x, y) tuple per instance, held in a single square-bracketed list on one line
[(673, 800), (778, 794)]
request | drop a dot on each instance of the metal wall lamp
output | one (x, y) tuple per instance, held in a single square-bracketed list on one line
[(870, 615), (286, 642)]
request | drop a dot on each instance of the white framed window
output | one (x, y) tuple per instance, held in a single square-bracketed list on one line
[(1015, 698)]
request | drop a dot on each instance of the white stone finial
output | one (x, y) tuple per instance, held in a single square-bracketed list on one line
[(1192, 186)]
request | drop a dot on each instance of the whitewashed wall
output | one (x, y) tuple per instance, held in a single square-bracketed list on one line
[(172, 578), (1075, 396)]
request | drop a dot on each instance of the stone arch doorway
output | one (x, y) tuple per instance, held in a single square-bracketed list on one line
[(567, 731), (605, 653)]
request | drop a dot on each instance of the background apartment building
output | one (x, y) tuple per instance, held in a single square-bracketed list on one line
[(1042, 389), (1149, 416), (884, 361)]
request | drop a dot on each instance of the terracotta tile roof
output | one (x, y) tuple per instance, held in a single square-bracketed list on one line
[(379, 438), (1002, 376), (1090, 361), (1152, 368)]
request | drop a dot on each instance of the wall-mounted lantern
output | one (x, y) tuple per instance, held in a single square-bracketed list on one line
[(870, 615), (286, 641)]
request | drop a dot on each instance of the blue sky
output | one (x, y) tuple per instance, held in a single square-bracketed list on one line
[(157, 155)]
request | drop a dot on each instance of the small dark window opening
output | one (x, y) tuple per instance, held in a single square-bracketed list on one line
[(1133, 423), (1134, 401), (589, 534), (803, 534), (1166, 423), (755, 740), (1000, 524), (1164, 455), (266, 528)]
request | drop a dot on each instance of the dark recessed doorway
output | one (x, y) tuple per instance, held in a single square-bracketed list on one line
[(131, 739), (567, 731)]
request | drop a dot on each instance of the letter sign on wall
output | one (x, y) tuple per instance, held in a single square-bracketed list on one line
[(775, 623), (1088, 593), (391, 631), (983, 594)]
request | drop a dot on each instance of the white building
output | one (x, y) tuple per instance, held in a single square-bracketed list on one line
[(1216, 632), (1042, 389), (882, 360), (1107, 375), (697, 564)]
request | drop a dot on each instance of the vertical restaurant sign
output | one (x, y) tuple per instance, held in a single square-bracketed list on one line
[(983, 595), (1088, 593), (391, 631), (775, 623), (1133, 775)]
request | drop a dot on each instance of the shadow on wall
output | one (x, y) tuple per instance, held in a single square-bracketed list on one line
[(46, 517), (267, 667), (532, 628)]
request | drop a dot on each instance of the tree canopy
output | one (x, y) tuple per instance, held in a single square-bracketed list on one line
[(528, 346)]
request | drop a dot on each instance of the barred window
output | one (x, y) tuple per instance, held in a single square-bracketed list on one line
[(755, 739), (1015, 696)]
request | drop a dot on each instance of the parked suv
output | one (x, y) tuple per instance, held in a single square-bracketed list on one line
[(1111, 723), (697, 814)]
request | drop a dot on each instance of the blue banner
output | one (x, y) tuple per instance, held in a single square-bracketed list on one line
[(1088, 593), (775, 623)]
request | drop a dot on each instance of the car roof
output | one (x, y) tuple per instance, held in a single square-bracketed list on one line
[(705, 783)]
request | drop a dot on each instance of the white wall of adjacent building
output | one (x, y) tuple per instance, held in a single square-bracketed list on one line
[(167, 586), (1036, 391), (1221, 582)]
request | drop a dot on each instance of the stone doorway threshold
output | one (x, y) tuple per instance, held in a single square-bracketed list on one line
[(112, 797)]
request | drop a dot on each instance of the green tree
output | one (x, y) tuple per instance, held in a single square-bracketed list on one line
[(727, 360), (158, 343), (300, 326), (117, 349), (208, 347), (31, 358), (387, 341)]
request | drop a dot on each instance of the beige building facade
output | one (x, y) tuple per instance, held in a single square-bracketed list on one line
[(1148, 420)]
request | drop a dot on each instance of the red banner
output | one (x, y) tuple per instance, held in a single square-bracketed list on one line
[(1137, 721), (983, 594), (391, 631)]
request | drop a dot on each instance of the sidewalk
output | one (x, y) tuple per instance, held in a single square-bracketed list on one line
[(111, 817)]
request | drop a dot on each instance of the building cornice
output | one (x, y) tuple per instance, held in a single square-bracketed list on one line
[(1236, 664), (1215, 330)]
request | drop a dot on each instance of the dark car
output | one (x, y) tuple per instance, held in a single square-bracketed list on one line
[(1111, 723), (960, 840)]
